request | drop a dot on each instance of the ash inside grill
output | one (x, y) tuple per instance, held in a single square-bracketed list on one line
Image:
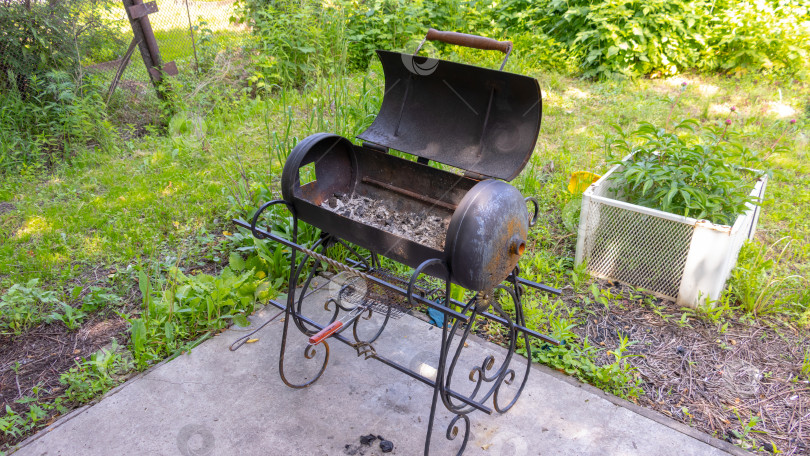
[(426, 229)]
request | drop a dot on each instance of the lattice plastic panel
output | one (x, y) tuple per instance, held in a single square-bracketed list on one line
[(675, 257), (636, 248)]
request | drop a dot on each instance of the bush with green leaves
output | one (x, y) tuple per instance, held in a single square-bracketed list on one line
[(51, 122), (38, 37), (628, 37), (295, 40), (396, 25), (688, 171), (661, 37), (771, 36), (191, 306)]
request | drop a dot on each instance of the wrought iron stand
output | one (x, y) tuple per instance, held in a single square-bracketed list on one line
[(487, 378)]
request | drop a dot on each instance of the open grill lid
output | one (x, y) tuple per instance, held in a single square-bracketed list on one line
[(477, 119)]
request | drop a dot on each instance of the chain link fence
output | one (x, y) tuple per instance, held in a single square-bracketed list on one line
[(89, 39), (189, 33)]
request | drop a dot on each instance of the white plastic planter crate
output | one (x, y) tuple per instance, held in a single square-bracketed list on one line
[(674, 257)]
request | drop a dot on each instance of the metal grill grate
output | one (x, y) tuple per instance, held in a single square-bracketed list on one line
[(382, 308)]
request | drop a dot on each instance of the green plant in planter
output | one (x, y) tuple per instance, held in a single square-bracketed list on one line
[(689, 171)]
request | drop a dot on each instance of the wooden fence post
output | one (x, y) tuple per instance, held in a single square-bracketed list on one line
[(138, 14)]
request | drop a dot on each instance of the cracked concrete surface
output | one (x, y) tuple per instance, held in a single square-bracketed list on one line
[(216, 402)]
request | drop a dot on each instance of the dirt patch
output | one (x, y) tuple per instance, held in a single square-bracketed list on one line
[(104, 66), (6, 207), (426, 229), (742, 383), (9, 223), (38, 358), (715, 379)]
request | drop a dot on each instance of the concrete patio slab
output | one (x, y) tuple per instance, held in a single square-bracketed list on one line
[(216, 402)]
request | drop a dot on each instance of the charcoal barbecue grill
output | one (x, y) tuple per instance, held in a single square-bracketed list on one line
[(467, 226)]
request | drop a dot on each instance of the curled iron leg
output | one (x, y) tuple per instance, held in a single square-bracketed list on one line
[(291, 315), (452, 431), (309, 353), (516, 294)]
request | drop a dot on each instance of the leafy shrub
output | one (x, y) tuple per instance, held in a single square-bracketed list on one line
[(189, 306), (43, 125), (40, 37), (394, 25), (505, 17), (33, 41), (773, 36), (636, 38), (295, 40), (687, 174), (628, 37)]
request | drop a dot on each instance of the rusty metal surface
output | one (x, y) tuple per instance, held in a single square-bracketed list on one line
[(138, 11), (409, 193), (473, 118), (487, 235), (342, 168)]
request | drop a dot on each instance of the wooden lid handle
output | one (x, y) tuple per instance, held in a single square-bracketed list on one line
[(472, 41)]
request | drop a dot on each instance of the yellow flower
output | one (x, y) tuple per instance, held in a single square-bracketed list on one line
[(261, 275), (227, 233)]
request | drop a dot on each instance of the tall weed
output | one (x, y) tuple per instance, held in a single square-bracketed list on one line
[(296, 41), (52, 121), (758, 282)]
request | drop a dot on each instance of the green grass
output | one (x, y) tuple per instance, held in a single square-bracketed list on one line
[(112, 209)]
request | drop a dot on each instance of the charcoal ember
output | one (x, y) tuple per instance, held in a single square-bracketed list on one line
[(386, 446), (368, 439)]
